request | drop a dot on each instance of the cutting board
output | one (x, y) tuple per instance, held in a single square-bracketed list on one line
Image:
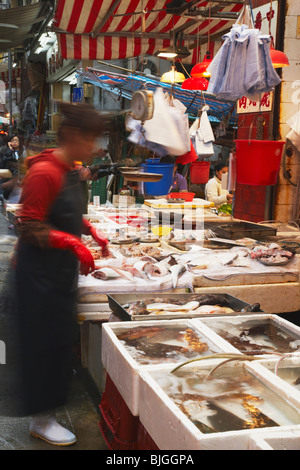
[(162, 203)]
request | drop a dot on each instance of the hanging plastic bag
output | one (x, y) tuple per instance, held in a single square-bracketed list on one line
[(242, 66), (161, 129), (137, 137), (189, 157), (204, 136), (294, 134), (181, 120)]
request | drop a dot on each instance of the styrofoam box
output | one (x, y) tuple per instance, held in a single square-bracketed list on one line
[(286, 361), (287, 440), (124, 370), (281, 322), (171, 429)]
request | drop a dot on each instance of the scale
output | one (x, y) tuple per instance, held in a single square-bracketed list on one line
[(142, 105)]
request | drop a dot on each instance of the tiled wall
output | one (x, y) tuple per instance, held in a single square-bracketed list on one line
[(250, 203), (290, 104)]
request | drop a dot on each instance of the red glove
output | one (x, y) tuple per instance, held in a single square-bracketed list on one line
[(98, 237), (66, 241)]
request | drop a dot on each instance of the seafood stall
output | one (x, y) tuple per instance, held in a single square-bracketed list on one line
[(153, 258), (185, 324), (166, 275), (194, 384)]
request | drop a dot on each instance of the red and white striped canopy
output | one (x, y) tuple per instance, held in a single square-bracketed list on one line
[(15, 73), (118, 29)]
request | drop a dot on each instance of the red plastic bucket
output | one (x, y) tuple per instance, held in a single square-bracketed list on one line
[(199, 172), (258, 161)]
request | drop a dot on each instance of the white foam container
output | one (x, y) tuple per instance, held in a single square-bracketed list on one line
[(125, 371), (171, 429), (280, 322), (280, 440)]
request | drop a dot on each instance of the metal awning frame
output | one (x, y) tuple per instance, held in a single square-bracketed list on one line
[(193, 100)]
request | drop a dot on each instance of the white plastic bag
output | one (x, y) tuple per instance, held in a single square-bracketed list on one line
[(203, 134), (294, 134), (181, 120), (162, 129)]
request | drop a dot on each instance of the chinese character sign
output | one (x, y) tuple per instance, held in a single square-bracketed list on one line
[(246, 105)]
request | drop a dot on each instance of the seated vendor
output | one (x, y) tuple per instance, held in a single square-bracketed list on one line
[(213, 189), (179, 181)]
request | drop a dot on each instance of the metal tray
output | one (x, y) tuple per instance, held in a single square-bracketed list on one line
[(116, 301), (234, 230)]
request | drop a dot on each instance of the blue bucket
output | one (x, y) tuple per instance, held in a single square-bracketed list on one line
[(162, 187), (151, 161)]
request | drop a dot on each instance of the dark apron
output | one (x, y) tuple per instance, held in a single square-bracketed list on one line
[(46, 283)]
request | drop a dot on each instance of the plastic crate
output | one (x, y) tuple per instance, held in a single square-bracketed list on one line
[(144, 440), (118, 425), (188, 197)]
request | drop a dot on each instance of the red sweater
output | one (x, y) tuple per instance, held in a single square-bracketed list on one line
[(42, 184)]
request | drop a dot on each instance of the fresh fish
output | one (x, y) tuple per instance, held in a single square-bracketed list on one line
[(211, 299), (139, 332), (106, 273), (229, 258), (173, 307), (242, 262), (209, 309), (148, 258), (111, 263), (161, 268), (151, 270), (168, 259), (177, 270), (251, 308), (143, 267)]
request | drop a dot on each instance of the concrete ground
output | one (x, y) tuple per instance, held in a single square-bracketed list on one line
[(80, 415)]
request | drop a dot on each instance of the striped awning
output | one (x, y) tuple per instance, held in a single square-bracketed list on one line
[(126, 85), (15, 73), (118, 29)]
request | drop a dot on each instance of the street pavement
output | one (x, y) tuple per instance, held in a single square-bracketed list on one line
[(81, 413)]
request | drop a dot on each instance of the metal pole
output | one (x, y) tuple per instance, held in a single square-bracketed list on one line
[(10, 91)]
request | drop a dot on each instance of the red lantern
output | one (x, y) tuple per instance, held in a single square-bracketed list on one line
[(279, 58), (200, 70), (195, 83)]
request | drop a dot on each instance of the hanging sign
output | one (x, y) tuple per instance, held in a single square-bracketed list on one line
[(246, 105), (77, 94)]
